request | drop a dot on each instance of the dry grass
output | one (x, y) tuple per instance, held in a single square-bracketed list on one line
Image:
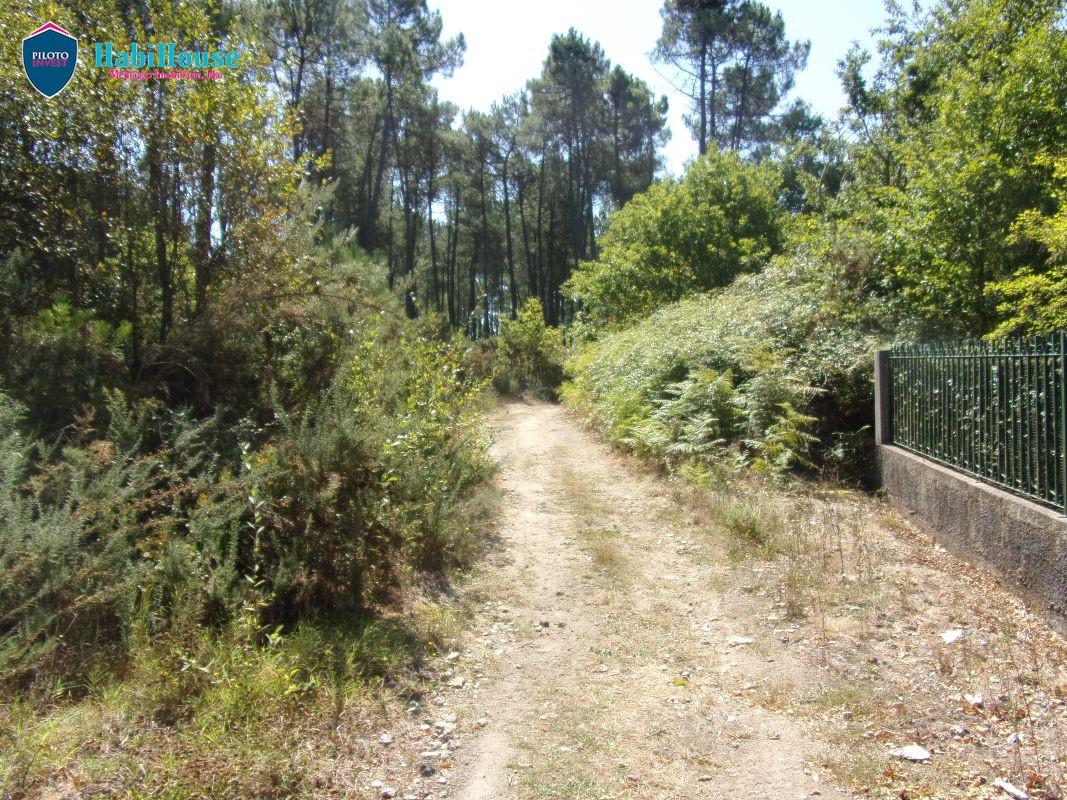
[(605, 550), (223, 717), (236, 721), (603, 545), (570, 754), (871, 596)]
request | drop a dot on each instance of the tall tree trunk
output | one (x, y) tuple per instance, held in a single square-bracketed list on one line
[(589, 232), (371, 212), (548, 300), (703, 91), (472, 320), (364, 193), (713, 123), (531, 273), (134, 281), (327, 128), (540, 222), (391, 259), (742, 102), (571, 222), (453, 288), (157, 191), (616, 158), (298, 95), (507, 239), (436, 288), (202, 239), (410, 238), (484, 248)]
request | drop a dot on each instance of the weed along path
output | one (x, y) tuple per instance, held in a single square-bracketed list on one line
[(632, 638), (613, 666)]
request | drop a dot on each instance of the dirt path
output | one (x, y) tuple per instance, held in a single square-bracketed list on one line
[(637, 639), (607, 659)]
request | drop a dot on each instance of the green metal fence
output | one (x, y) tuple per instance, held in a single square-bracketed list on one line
[(994, 409)]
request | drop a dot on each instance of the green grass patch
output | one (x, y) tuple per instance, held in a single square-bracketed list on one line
[(236, 713)]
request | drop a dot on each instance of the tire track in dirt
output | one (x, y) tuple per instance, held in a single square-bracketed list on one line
[(605, 645)]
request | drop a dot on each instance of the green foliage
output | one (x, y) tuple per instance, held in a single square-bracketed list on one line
[(695, 418), (66, 360), (529, 353), (166, 523), (944, 216), (149, 252), (209, 407), (736, 64), (1031, 302), (42, 563), (232, 712), (99, 532), (1035, 300), (752, 373), (364, 484), (679, 237), (957, 131)]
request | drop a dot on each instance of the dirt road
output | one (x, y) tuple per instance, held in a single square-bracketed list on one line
[(614, 667), (622, 646)]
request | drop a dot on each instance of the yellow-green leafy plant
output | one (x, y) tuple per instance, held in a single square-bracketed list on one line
[(529, 353)]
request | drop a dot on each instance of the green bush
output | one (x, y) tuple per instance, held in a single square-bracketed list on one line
[(760, 372), (51, 569), (162, 525), (99, 534), (364, 485), (529, 353), (65, 359), (1034, 301), (719, 221)]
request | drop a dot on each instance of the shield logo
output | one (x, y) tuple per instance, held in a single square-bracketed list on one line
[(49, 56)]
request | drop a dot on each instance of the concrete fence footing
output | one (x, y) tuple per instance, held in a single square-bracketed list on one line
[(1024, 542)]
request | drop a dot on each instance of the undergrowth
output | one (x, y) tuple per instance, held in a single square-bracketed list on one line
[(187, 599), (772, 373), (228, 713)]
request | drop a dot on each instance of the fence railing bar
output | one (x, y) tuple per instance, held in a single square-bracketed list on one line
[(996, 410)]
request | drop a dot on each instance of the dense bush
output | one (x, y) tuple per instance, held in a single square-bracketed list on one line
[(720, 220), (98, 530), (211, 411), (957, 133), (363, 486), (65, 359), (943, 216), (1035, 297), (163, 524), (529, 354), (746, 373)]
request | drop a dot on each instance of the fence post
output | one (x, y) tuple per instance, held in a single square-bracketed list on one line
[(883, 398), (1063, 422)]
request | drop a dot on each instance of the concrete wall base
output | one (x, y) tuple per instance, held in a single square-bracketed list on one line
[(1024, 542)]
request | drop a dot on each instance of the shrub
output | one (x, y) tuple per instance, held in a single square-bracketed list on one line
[(529, 353), (694, 418), (162, 526), (365, 484), (719, 221), (97, 534), (48, 565), (65, 360), (1034, 301), (759, 372)]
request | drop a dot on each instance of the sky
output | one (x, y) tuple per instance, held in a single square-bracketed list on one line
[(507, 43)]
